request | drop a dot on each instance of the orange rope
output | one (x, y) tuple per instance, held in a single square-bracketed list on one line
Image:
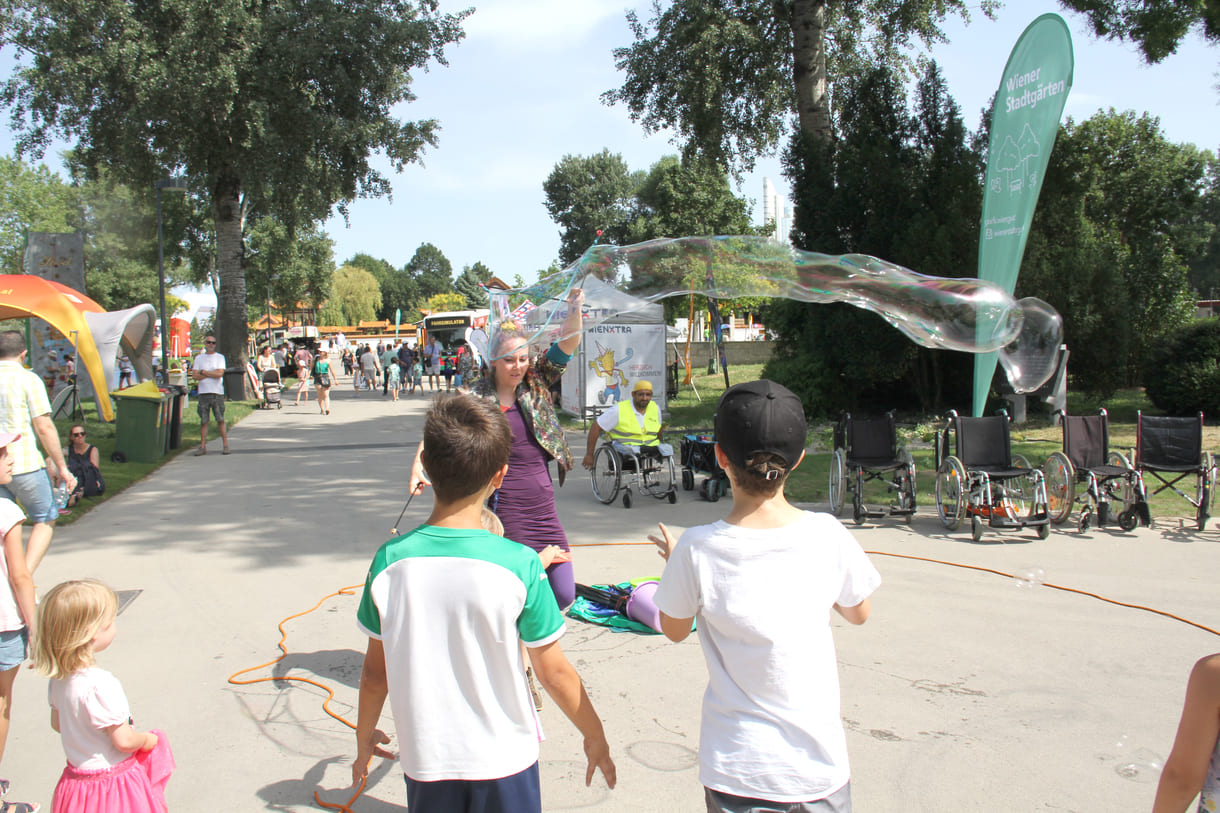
[(984, 570), (350, 590), (1052, 586), (330, 694)]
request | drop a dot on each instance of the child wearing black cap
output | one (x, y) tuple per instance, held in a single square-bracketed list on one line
[(761, 583)]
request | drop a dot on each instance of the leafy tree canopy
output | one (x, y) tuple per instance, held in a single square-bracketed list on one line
[(448, 301), (431, 271), (586, 195), (1156, 26), (269, 109), (728, 76), (467, 284), (354, 297)]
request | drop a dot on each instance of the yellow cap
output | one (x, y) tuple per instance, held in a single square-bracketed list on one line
[(643, 385)]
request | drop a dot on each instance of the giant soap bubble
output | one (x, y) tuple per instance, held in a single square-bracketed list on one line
[(952, 314)]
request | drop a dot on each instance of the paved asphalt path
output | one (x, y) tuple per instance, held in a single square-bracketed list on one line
[(963, 692)]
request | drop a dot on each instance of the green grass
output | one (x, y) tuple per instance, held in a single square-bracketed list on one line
[(119, 476)]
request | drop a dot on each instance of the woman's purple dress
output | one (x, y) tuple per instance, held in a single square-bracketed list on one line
[(525, 504)]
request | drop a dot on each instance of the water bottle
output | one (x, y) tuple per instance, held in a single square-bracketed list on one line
[(61, 495)]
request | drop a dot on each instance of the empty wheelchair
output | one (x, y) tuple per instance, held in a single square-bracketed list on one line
[(985, 480), (867, 449), (1174, 447), (620, 467), (1112, 488)]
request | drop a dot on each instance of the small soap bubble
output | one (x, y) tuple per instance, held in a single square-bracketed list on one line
[(1028, 578), (1141, 765)]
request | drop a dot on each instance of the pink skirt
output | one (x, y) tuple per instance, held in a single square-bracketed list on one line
[(135, 785)]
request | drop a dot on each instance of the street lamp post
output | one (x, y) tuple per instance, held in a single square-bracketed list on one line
[(164, 185), (272, 278)]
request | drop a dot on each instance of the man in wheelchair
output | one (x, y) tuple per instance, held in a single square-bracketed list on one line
[(635, 457), (633, 426)]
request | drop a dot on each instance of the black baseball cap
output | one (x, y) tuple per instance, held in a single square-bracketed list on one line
[(760, 416)]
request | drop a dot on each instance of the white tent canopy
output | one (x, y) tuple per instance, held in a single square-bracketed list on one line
[(129, 331)]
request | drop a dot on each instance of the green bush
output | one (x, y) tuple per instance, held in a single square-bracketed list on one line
[(1183, 376)]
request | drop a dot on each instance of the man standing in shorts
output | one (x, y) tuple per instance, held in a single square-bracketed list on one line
[(24, 409), (209, 371)]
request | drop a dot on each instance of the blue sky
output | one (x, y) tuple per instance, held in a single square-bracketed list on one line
[(523, 90)]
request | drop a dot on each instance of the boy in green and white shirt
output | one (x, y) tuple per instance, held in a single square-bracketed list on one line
[(444, 607)]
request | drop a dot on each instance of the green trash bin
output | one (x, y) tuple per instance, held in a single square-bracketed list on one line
[(142, 424)]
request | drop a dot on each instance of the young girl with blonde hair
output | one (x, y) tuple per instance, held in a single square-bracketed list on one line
[(111, 766)]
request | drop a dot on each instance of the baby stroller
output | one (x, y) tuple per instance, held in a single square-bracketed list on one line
[(698, 453), (271, 389)]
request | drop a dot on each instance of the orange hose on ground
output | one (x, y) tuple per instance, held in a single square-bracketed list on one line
[(350, 590), (330, 694)]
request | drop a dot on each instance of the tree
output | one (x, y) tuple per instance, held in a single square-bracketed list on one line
[(354, 297), (398, 290), (32, 198), (287, 267), (442, 303), (1157, 27), (431, 272), (1122, 213), (277, 116), (590, 197), (467, 284), (893, 185), (727, 75)]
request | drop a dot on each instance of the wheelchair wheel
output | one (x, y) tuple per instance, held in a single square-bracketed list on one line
[(672, 496), (838, 477), (1120, 490), (951, 492), (1044, 530), (659, 477), (688, 479), (1127, 520), (627, 498), (1060, 486), (606, 474)]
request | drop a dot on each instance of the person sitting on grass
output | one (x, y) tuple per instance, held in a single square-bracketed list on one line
[(761, 583), (85, 463), (450, 592)]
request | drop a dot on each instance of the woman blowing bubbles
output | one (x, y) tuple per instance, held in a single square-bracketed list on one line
[(525, 502)]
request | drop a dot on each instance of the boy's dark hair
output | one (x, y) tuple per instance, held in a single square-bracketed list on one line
[(12, 344), (753, 477), (466, 441)]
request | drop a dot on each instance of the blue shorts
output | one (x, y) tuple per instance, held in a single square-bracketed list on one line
[(12, 648), (32, 491), (519, 793)]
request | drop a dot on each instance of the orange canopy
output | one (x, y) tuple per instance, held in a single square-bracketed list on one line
[(25, 295)]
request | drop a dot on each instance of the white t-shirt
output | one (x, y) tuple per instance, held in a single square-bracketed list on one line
[(10, 616), (211, 361), (89, 701), (771, 727), (462, 599)]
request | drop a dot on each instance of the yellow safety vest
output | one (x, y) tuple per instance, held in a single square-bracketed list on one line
[(628, 430)]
